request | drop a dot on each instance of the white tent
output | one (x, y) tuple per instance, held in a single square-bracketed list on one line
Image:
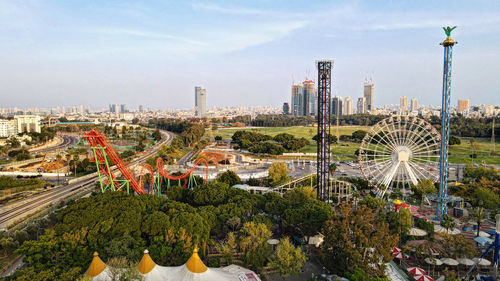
[(193, 270), (417, 232), (440, 229)]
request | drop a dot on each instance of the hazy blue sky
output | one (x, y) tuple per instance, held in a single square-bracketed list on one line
[(244, 52)]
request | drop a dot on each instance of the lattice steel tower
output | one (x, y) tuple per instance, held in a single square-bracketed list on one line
[(323, 154), (442, 204)]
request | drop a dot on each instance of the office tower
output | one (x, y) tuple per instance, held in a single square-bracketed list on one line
[(286, 108), (463, 106), (403, 105), (347, 106), (368, 94), (309, 98), (123, 108), (200, 101), (336, 106), (81, 109), (141, 108), (114, 108), (361, 106), (297, 100), (414, 105)]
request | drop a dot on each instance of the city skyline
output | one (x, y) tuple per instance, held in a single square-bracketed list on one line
[(67, 53)]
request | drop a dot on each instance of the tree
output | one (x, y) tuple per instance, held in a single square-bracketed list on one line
[(423, 188), (157, 135), (253, 242), (353, 238), (228, 248), (448, 223), (331, 138), (120, 269), (278, 173), (300, 194), (455, 141), (358, 135), (287, 259), (307, 218), (229, 177), (218, 138)]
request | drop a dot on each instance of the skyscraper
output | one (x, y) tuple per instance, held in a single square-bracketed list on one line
[(114, 108), (309, 98), (368, 94), (304, 99), (297, 100), (348, 106), (141, 108), (200, 101), (414, 105), (403, 105), (123, 108), (336, 106), (361, 106), (463, 106)]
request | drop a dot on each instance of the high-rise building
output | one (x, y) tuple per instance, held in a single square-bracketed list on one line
[(463, 106), (348, 105), (297, 100), (361, 106), (123, 108), (336, 109), (304, 98), (200, 101), (368, 94), (114, 108), (27, 123), (403, 105), (141, 108), (286, 108), (414, 105), (309, 98)]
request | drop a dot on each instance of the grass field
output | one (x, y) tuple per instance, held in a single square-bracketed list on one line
[(298, 131), (458, 153)]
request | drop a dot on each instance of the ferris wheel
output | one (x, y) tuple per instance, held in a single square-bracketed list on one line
[(399, 151)]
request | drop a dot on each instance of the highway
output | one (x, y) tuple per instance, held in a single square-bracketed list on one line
[(20, 209), (68, 140)]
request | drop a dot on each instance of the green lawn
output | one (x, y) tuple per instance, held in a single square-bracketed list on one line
[(458, 153), (298, 131)]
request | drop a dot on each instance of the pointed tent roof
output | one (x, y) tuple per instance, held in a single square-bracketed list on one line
[(147, 264), (96, 266), (195, 264), (193, 270)]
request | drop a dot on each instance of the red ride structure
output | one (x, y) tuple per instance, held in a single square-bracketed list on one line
[(105, 156)]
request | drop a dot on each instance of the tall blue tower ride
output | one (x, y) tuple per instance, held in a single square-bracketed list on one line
[(442, 204)]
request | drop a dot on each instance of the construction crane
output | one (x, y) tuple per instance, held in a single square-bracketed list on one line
[(40, 169)]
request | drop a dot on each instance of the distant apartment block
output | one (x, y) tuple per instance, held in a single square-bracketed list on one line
[(27, 123), (361, 106), (463, 106)]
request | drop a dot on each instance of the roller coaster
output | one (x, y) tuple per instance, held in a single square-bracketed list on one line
[(105, 156)]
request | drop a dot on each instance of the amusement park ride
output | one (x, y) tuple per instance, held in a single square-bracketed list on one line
[(105, 156)]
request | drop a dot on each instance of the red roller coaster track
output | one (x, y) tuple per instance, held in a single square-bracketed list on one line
[(103, 148)]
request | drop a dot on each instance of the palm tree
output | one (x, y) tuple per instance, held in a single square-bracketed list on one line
[(478, 215)]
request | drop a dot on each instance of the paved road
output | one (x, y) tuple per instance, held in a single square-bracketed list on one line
[(68, 140), (20, 209)]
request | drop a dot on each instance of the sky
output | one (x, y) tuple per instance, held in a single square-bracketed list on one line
[(245, 53)]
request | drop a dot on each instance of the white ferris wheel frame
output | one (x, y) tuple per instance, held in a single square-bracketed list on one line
[(400, 151)]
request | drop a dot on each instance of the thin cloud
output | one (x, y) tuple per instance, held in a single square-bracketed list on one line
[(144, 34), (226, 10)]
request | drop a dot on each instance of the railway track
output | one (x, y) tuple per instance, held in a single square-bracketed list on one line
[(54, 195)]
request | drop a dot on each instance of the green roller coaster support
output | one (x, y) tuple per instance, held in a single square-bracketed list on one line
[(191, 182), (157, 184), (112, 185)]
